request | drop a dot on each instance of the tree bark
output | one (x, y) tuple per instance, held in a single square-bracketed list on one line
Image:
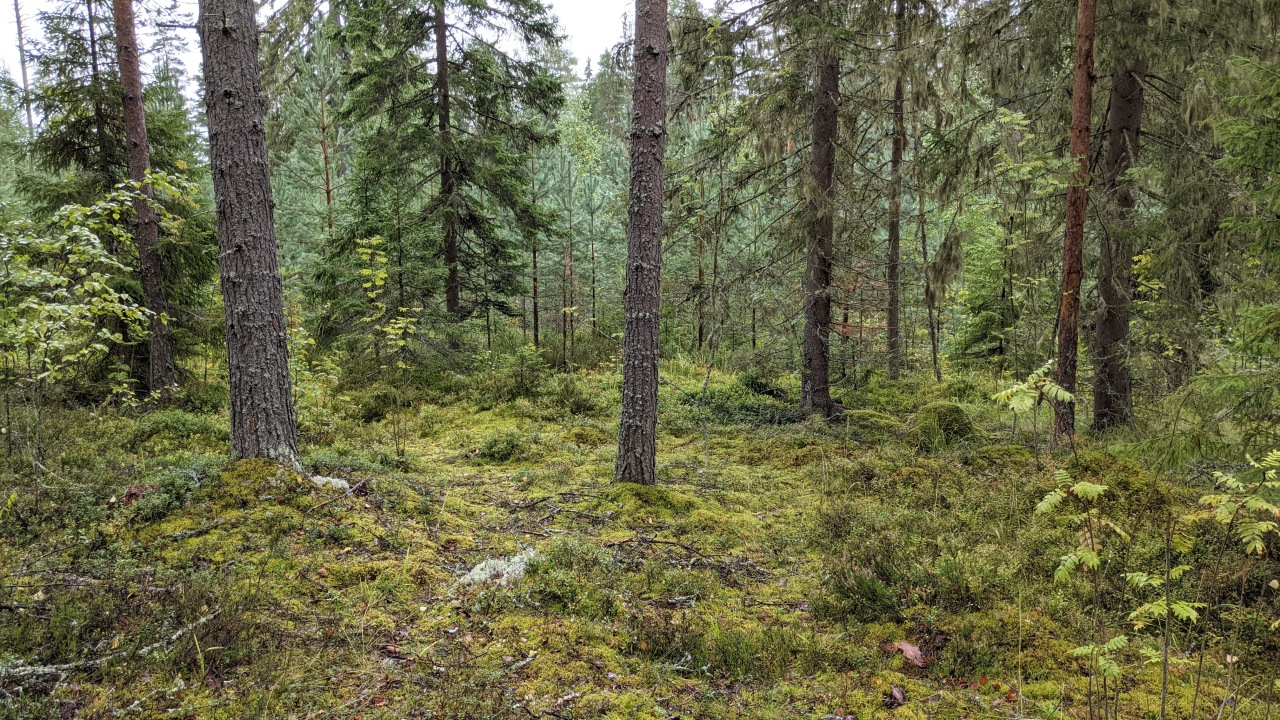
[(893, 311), (1112, 385), (262, 415), (533, 189), (1064, 420), (815, 391), (448, 183), (146, 233), (22, 62), (638, 432)]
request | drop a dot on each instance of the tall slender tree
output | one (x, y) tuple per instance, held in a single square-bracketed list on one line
[(1112, 383), (638, 433), (262, 415), (893, 312), (146, 233), (1077, 201), (22, 63), (815, 385)]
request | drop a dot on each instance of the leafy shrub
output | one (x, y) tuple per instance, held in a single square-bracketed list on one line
[(502, 446), (942, 424), (573, 576), (737, 404), (568, 395), (503, 378), (177, 425), (759, 381), (168, 491)]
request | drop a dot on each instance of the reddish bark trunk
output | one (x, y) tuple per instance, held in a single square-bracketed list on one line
[(146, 232), (1064, 422)]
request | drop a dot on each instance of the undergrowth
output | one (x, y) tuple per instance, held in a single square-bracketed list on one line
[(889, 563)]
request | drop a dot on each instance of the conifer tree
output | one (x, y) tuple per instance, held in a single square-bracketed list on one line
[(262, 415), (638, 434), (463, 116), (146, 233), (1077, 198), (815, 378)]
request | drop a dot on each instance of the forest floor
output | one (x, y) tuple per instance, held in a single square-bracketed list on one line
[(482, 565)]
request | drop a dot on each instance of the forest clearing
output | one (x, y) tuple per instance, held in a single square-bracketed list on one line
[(803, 359)]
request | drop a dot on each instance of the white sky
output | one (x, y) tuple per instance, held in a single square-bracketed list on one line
[(592, 27)]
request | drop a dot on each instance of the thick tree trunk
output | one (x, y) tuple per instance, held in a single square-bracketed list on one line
[(448, 183), (146, 233), (1112, 388), (893, 312), (638, 432), (815, 390), (1064, 421), (262, 416)]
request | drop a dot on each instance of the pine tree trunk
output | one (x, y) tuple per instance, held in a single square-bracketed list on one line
[(1112, 387), (815, 391), (638, 432), (1064, 421), (448, 183), (22, 62), (892, 330), (146, 232), (262, 416), (533, 189), (537, 340)]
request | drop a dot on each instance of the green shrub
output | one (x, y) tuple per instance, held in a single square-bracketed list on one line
[(168, 490), (567, 394), (502, 446), (179, 425)]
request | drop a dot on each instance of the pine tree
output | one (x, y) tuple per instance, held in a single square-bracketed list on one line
[(146, 233), (1077, 198), (637, 437), (262, 414)]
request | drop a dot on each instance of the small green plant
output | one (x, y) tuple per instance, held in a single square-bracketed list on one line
[(1079, 504), (1250, 508), (1027, 395)]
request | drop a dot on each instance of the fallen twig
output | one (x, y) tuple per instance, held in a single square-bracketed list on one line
[(347, 493), (26, 671)]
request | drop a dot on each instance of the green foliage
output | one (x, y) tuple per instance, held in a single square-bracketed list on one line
[(57, 295), (503, 447), (1249, 506)]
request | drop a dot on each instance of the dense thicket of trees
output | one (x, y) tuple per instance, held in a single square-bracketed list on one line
[(848, 189)]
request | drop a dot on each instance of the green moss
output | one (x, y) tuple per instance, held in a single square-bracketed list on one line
[(942, 424), (871, 426)]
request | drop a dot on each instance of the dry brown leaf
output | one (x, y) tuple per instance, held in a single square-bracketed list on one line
[(911, 653)]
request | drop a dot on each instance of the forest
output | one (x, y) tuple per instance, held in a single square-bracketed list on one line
[(839, 359)]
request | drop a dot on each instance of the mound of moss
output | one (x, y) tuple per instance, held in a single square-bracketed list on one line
[(942, 424)]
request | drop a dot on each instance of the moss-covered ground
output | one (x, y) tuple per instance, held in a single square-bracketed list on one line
[(879, 566)]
